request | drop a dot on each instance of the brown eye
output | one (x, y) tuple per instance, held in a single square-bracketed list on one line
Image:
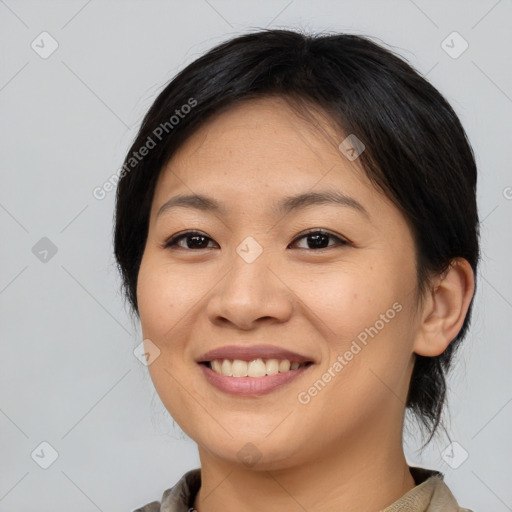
[(319, 239), (192, 240)]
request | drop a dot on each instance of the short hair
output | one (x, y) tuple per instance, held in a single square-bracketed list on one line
[(417, 152)]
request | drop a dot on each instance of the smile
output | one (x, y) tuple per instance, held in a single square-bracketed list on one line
[(252, 378), (256, 368)]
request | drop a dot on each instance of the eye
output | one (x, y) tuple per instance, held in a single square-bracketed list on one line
[(193, 240), (318, 238)]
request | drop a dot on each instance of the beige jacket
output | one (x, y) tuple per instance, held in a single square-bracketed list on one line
[(430, 495)]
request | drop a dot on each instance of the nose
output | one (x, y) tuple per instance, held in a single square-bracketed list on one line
[(250, 294)]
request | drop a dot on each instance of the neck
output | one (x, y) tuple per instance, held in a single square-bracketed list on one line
[(361, 474)]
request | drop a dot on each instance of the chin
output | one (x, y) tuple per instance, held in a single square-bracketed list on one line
[(256, 453)]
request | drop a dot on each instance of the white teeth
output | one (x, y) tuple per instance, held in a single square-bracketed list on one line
[(217, 366), (256, 368), (284, 365), (239, 368), (272, 367), (226, 368)]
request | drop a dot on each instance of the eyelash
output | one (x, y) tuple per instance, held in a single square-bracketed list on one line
[(172, 242)]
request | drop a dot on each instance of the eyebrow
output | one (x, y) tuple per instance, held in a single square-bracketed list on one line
[(284, 206)]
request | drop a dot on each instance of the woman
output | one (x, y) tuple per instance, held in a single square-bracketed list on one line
[(296, 227)]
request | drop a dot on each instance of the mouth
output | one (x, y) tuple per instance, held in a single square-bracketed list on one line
[(256, 368), (249, 353), (252, 371), (250, 378)]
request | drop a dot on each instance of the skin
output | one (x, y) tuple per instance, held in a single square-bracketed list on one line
[(328, 454)]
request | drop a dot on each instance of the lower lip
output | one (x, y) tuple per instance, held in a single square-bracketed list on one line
[(250, 386)]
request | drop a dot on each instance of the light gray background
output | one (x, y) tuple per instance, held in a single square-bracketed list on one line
[(68, 373)]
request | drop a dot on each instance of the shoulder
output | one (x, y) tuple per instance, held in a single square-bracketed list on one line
[(178, 498), (431, 494), (442, 497)]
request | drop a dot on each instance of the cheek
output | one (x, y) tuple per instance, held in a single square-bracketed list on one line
[(164, 296), (163, 299), (364, 315), (154, 301), (364, 321), (345, 303)]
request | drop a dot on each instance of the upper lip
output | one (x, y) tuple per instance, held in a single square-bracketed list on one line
[(250, 353)]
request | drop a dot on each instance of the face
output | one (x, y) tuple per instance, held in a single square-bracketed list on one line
[(328, 284)]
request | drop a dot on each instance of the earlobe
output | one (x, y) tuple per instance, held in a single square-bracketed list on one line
[(445, 309)]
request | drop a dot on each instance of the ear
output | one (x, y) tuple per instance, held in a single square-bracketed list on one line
[(444, 309)]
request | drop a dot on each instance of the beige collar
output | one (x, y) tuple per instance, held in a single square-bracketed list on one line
[(430, 495)]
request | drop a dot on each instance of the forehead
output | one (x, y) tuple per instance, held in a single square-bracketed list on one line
[(263, 144), (263, 128)]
